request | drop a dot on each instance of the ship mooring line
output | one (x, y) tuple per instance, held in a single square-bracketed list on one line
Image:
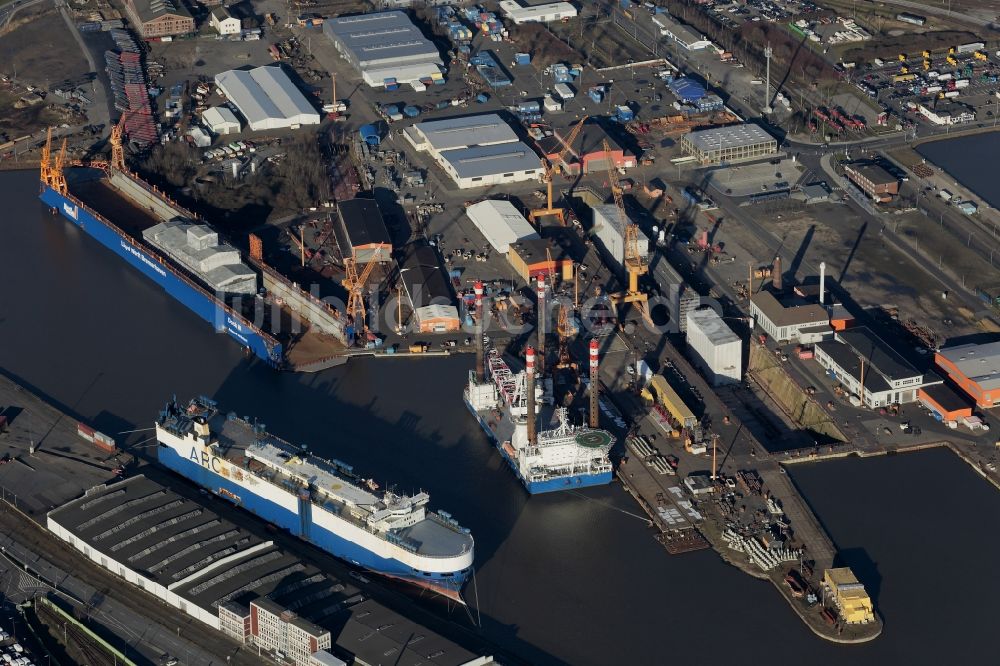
[(644, 519)]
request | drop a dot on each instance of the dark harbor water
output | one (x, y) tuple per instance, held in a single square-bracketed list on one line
[(563, 579), (971, 160)]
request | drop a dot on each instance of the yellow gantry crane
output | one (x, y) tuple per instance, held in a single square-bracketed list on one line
[(355, 285), (549, 167), (636, 265)]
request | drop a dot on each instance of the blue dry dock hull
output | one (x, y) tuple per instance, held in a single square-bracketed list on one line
[(539, 487), (292, 522), (198, 299)]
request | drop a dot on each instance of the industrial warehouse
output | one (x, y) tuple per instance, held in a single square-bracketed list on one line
[(428, 292), (735, 143), (361, 232), (476, 151), (975, 369), (385, 48), (267, 98), (500, 223), (232, 580), (546, 13)]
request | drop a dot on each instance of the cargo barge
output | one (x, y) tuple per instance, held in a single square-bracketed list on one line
[(173, 279), (320, 501)]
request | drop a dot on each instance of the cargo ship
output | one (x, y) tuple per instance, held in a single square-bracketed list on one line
[(560, 455), (175, 279), (320, 501)]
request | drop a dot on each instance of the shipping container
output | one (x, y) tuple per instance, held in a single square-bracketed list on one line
[(564, 91)]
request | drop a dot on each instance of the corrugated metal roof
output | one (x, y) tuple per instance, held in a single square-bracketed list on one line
[(381, 38), (978, 362), (482, 161), (479, 130), (501, 223), (728, 137), (266, 95)]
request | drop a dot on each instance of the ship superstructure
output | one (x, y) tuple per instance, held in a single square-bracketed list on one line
[(321, 501), (559, 456)]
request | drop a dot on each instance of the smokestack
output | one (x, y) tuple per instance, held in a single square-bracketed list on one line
[(594, 383), (542, 321), (776, 274), (822, 281), (529, 358), (480, 352)]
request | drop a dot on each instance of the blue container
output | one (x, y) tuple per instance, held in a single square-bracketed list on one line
[(522, 58), (411, 111), (482, 98)]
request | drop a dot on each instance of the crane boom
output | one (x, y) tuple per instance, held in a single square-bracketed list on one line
[(635, 263), (548, 167)]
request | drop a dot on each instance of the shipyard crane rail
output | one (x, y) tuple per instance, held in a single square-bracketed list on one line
[(548, 167)]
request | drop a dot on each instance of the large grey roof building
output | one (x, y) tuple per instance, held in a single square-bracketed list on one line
[(729, 144), (384, 45), (191, 558), (267, 98), (197, 248), (476, 151)]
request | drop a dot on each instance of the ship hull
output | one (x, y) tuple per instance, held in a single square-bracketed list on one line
[(448, 583), (196, 298), (539, 487)]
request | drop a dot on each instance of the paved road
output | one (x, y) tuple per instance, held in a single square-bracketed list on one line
[(7, 12)]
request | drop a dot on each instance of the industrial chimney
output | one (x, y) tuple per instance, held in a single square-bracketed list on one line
[(594, 386), (822, 282), (542, 321), (776, 274), (529, 358), (480, 324)]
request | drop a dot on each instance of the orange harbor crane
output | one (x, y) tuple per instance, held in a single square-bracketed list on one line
[(355, 285), (635, 264), (548, 167)]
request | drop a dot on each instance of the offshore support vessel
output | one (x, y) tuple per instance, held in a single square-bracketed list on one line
[(320, 501), (175, 280), (557, 456)]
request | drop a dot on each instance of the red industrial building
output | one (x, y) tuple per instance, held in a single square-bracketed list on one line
[(873, 180), (587, 150), (975, 369)]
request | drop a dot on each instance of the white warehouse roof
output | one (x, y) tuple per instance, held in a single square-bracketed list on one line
[(708, 322), (220, 120), (267, 98), (450, 133), (553, 11), (500, 223)]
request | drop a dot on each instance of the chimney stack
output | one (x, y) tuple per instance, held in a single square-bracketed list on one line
[(822, 282), (776, 274), (480, 324), (542, 321), (529, 358), (595, 410)]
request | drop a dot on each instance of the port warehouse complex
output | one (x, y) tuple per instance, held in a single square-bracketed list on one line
[(193, 559)]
